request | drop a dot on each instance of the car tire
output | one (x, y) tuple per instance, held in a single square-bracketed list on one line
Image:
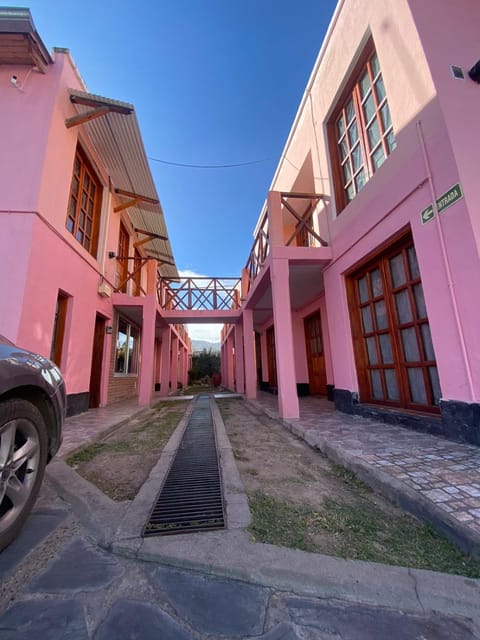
[(23, 457)]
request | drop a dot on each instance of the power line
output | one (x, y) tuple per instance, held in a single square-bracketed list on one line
[(208, 166)]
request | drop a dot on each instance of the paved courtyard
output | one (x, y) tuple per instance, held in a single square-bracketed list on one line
[(440, 472), (80, 571)]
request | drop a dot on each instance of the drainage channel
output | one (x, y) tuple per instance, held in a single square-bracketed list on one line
[(191, 497)]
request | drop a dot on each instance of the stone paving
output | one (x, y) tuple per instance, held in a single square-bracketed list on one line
[(60, 580), (444, 472), (86, 593)]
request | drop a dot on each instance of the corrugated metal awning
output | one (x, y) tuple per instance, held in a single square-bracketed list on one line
[(117, 139), (19, 40)]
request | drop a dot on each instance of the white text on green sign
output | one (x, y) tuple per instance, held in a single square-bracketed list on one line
[(443, 202), (449, 197)]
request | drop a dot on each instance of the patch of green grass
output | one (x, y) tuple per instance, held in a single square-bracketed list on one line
[(281, 523), (149, 435), (86, 454), (361, 532), (349, 478)]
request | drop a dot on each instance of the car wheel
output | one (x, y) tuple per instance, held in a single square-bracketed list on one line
[(23, 457)]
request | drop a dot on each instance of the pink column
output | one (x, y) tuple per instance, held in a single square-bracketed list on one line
[(264, 354), (230, 363), (239, 370), (282, 317), (147, 348), (249, 354), (174, 364), (165, 364), (158, 361), (275, 222), (185, 367), (184, 377), (222, 362)]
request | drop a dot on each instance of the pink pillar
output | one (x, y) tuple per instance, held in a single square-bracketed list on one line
[(147, 347), (185, 367), (275, 222), (264, 356), (249, 354), (239, 370), (158, 360), (165, 364), (174, 363), (230, 363), (282, 317), (222, 360)]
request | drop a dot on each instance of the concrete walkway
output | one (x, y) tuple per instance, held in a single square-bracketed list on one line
[(433, 478), (81, 570)]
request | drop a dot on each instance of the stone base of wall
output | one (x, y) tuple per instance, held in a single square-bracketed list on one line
[(77, 403), (459, 421)]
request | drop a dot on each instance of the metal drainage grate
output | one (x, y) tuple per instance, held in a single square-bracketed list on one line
[(191, 497)]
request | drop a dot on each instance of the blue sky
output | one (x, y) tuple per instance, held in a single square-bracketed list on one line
[(213, 82)]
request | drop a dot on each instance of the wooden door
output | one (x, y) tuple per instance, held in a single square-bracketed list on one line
[(315, 356), (122, 259), (58, 337), (97, 359), (272, 359)]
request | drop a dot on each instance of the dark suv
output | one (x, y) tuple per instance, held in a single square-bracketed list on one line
[(32, 411)]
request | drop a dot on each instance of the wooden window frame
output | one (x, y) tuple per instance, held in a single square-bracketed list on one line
[(353, 94), (122, 257), (395, 326), (59, 324), (137, 278), (76, 211)]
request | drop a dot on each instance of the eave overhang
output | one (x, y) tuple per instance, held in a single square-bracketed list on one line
[(20, 43), (113, 129)]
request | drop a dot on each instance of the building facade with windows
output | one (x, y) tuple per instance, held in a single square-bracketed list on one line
[(361, 283), (82, 232)]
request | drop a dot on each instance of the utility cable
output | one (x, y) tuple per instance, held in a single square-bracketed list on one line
[(208, 166)]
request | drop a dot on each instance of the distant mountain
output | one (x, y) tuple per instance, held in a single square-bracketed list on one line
[(200, 345)]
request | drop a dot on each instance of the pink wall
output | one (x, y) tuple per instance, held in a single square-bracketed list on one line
[(394, 197), (54, 266), (459, 99), (16, 231)]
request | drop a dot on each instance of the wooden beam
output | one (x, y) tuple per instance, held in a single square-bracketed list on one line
[(129, 194), (91, 102), (81, 118), (294, 194), (151, 234), (125, 205)]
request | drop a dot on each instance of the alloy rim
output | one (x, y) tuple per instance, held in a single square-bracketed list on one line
[(19, 461)]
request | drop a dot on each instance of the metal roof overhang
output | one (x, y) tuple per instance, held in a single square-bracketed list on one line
[(117, 139), (19, 41)]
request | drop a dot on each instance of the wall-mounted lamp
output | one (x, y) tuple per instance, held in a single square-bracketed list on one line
[(474, 72), (112, 254)]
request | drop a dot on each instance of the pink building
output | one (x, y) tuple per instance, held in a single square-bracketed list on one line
[(82, 234), (362, 284)]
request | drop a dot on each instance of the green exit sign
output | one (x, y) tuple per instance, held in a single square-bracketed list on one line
[(443, 202), (449, 197)]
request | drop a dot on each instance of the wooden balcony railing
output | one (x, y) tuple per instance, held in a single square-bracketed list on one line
[(199, 294), (130, 268), (299, 232), (259, 252)]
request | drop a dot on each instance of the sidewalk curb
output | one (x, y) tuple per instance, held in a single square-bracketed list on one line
[(395, 490), (230, 554)]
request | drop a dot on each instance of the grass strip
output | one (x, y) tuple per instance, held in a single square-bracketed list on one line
[(361, 532)]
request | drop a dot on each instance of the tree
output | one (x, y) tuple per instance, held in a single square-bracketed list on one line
[(204, 364)]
